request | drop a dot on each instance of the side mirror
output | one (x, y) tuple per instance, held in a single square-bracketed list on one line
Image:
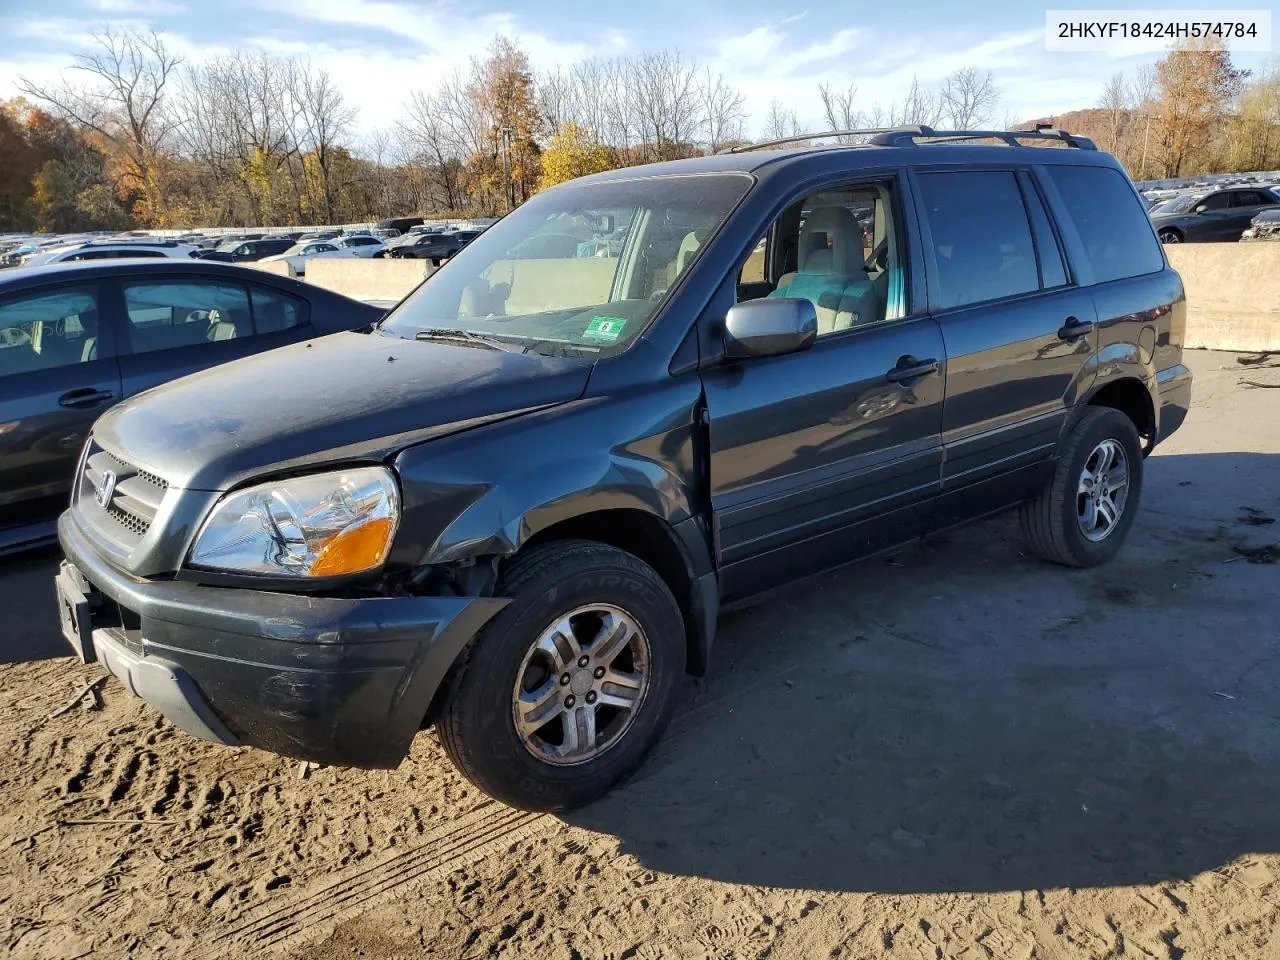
[(769, 328), (1202, 208)]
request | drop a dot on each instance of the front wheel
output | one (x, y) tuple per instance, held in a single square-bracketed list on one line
[(1081, 518), (1169, 236), (568, 688)]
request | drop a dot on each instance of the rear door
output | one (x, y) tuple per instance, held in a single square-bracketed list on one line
[(820, 457), (58, 373), (1245, 205), (1020, 334), (179, 325)]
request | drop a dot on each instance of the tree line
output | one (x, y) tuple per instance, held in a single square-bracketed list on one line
[(1192, 112), (134, 137)]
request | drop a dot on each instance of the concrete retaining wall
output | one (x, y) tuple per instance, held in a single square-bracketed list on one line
[(368, 279), (282, 268), (1233, 294), (1233, 289)]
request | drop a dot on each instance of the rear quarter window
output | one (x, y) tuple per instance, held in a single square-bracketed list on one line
[(1113, 226)]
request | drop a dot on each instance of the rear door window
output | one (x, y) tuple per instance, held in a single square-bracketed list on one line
[(185, 313), (273, 311), (982, 247), (1248, 198), (1113, 226)]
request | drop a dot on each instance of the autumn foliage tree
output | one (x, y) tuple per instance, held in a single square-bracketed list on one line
[(118, 96), (1197, 86), (569, 154)]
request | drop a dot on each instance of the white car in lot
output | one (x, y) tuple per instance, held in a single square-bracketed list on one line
[(298, 255), (361, 244), (110, 250)]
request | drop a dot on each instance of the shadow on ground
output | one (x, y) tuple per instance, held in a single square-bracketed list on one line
[(973, 720), (28, 607)]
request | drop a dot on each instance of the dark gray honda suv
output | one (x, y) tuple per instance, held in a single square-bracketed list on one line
[(514, 507)]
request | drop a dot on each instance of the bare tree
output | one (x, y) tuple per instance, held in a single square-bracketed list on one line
[(725, 118), (122, 101), (239, 115), (968, 98), (663, 95), (838, 108), (431, 125), (1143, 93), (323, 117), (918, 106), (556, 98), (780, 122), (1115, 104)]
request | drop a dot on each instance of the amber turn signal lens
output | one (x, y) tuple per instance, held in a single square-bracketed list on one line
[(354, 549)]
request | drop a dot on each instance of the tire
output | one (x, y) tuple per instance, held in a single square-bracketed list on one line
[(478, 723), (1169, 235), (1052, 521)]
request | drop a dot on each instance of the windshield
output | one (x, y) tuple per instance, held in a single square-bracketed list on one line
[(1178, 204), (580, 268)]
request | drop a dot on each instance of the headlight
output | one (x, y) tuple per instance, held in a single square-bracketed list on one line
[(326, 525)]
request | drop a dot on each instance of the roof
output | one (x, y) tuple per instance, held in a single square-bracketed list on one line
[(22, 276), (752, 162)]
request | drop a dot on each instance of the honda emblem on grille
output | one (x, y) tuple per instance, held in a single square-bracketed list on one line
[(106, 487)]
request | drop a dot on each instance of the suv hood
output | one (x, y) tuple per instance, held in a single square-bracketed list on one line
[(345, 397)]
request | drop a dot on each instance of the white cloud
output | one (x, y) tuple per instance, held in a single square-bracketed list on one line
[(785, 58), (149, 8)]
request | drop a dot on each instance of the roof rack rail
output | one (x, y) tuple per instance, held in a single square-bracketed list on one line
[(906, 136), (801, 137)]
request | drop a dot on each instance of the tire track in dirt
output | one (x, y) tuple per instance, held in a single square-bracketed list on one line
[(459, 844)]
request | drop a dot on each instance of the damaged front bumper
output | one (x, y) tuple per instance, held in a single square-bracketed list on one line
[(333, 680)]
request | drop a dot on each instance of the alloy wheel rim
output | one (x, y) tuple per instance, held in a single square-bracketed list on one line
[(1170, 237), (581, 685), (1102, 490)]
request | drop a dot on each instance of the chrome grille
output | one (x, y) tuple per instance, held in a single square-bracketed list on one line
[(131, 500)]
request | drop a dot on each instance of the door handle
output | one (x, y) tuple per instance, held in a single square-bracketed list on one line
[(84, 398), (1074, 329), (909, 368)]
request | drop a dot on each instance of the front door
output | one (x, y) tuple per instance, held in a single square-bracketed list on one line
[(1020, 336), (58, 373), (820, 457), (1214, 218)]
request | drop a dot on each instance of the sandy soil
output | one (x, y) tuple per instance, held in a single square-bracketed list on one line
[(958, 752)]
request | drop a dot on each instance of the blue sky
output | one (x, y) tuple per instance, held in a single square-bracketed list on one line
[(380, 49)]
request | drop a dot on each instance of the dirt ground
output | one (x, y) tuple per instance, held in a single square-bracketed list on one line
[(957, 752)]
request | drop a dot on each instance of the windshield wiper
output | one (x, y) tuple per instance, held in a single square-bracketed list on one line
[(463, 336)]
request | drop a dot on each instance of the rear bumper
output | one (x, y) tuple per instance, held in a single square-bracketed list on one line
[(1174, 387), (334, 680)]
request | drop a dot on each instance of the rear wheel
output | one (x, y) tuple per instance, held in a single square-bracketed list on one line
[(1081, 518), (568, 688)]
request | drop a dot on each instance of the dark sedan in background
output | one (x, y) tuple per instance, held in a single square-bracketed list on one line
[(1210, 215), (76, 338), (436, 247), (249, 250)]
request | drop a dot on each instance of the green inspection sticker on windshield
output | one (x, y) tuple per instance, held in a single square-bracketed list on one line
[(606, 329)]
